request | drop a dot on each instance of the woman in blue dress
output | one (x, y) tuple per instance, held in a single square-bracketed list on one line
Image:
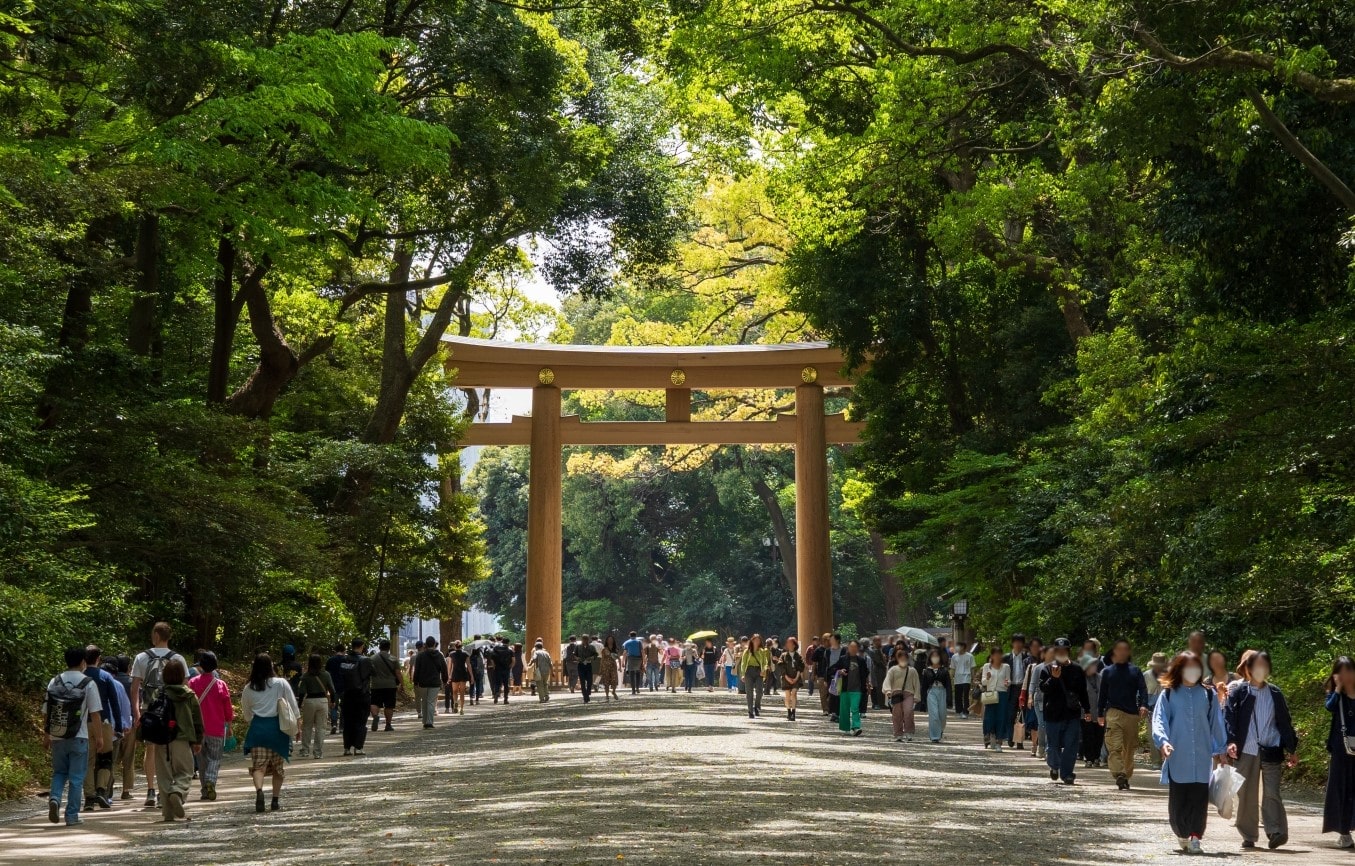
[(1338, 814), (1188, 731)]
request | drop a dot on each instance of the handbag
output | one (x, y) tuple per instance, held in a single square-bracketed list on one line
[(988, 697), (835, 687), (287, 720), (1348, 740)]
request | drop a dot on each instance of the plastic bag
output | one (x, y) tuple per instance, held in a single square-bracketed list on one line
[(1224, 785)]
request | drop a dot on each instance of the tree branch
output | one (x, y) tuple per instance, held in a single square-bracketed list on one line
[(1316, 167), (1231, 59)]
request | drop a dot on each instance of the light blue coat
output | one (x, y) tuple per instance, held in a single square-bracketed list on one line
[(1189, 717)]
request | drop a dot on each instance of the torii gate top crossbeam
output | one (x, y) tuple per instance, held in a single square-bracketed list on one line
[(494, 364)]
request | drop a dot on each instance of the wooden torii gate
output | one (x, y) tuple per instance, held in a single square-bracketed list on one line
[(550, 369)]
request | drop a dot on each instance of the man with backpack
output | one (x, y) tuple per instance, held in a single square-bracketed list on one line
[(71, 724), (148, 682), (430, 675), (355, 706), (119, 667), (385, 683), (99, 773)]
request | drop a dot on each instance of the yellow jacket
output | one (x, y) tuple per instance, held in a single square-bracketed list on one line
[(754, 658)]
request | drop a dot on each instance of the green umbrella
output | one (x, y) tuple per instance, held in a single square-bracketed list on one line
[(702, 634)]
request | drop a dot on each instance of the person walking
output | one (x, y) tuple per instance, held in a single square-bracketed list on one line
[(653, 664), (315, 694), (879, 663), (267, 746), (571, 666), (356, 696), (853, 676), (1033, 699), (962, 670), (751, 665), (217, 711), (147, 683), (477, 671), (503, 669), (710, 657), (935, 682), (792, 676), (430, 674), (1188, 732), (903, 690), (1338, 808), (811, 654), (834, 653), (729, 660), (385, 684), (519, 669), (72, 726), (119, 667), (1152, 684), (610, 659), (98, 782), (995, 678), (174, 760), (1017, 661), (334, 666), (458, 676), (1062, 685), (1123, 701), (585, 654), (1093, 735), (690, 659), (634, 648), (1260, 736), (672, 666), (541, 663)]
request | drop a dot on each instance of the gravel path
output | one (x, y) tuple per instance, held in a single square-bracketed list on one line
[(661, 779)]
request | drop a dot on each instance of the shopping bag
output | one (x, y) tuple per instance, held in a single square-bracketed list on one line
[(701, 673), (1224, 785), (1019, 732)]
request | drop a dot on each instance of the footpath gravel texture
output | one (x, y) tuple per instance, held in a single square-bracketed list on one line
[(658, 779)]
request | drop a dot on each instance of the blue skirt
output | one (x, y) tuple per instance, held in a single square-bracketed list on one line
[(265, 733), (1338, 813)]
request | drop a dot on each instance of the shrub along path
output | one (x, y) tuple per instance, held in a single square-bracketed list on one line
[(661, 779)]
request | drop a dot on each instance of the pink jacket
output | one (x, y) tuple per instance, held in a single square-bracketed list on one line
[(215, 697)]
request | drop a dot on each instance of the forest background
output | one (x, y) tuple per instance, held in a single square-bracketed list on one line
[(1098, 254)]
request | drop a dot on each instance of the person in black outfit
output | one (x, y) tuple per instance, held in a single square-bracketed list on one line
[(584, 655), (477, 671), (502, 654), (1066, 706), (334, 665), (355, 705)]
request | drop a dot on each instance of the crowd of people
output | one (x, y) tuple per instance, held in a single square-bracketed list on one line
[(1067, 705)]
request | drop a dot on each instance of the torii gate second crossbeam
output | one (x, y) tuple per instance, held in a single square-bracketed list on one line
[(550, 369)]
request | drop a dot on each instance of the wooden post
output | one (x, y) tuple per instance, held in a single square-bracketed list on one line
[(813, 568), (677, 404), (544, 538)]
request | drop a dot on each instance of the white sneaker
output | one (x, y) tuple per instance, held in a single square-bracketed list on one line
[(1182, 842), (1344, 841), (1194, 846), (997, 747)]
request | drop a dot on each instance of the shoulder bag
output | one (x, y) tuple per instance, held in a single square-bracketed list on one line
[(1348, 740)]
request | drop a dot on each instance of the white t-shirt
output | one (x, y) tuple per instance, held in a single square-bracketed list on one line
[(962, 665), (92, 702), (265, 703), (143, 660)]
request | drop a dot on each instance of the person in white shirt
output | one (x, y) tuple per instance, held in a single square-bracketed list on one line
[(267, 745), (962, 669), (147, 683), (71, 724)]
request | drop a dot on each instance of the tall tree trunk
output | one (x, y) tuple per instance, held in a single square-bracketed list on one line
[(278, 363), (889, 581), (780, 531), (224, 316), (141, 319)]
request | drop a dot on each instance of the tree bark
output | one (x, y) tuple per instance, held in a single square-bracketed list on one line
[(1290, 142), (224, 316), (889, 581), (141, 319), (278, 362), (785, 541)]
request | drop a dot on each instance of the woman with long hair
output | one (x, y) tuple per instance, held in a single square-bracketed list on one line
[(267, 746), (792, 676), (903, 689), (315, 691), (1338, 812), (519, 667), (1261, 737), (996, 679), (458, 676), (751, 665), (935, 686), (609, 663), (1187, 729)]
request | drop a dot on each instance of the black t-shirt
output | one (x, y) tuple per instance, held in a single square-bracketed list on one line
[(460, 664), (710, 655), (503, 658)]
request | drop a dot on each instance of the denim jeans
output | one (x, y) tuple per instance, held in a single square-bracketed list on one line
[(936, 713), (70, 759), (654, 676), (1062, 740)]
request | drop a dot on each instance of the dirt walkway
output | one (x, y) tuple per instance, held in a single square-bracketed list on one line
[(671, 780)]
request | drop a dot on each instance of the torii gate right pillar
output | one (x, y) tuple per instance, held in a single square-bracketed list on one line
[(813, 565)]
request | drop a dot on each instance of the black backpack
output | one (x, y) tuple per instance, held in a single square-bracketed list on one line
[(65, 708), (159, 725)]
